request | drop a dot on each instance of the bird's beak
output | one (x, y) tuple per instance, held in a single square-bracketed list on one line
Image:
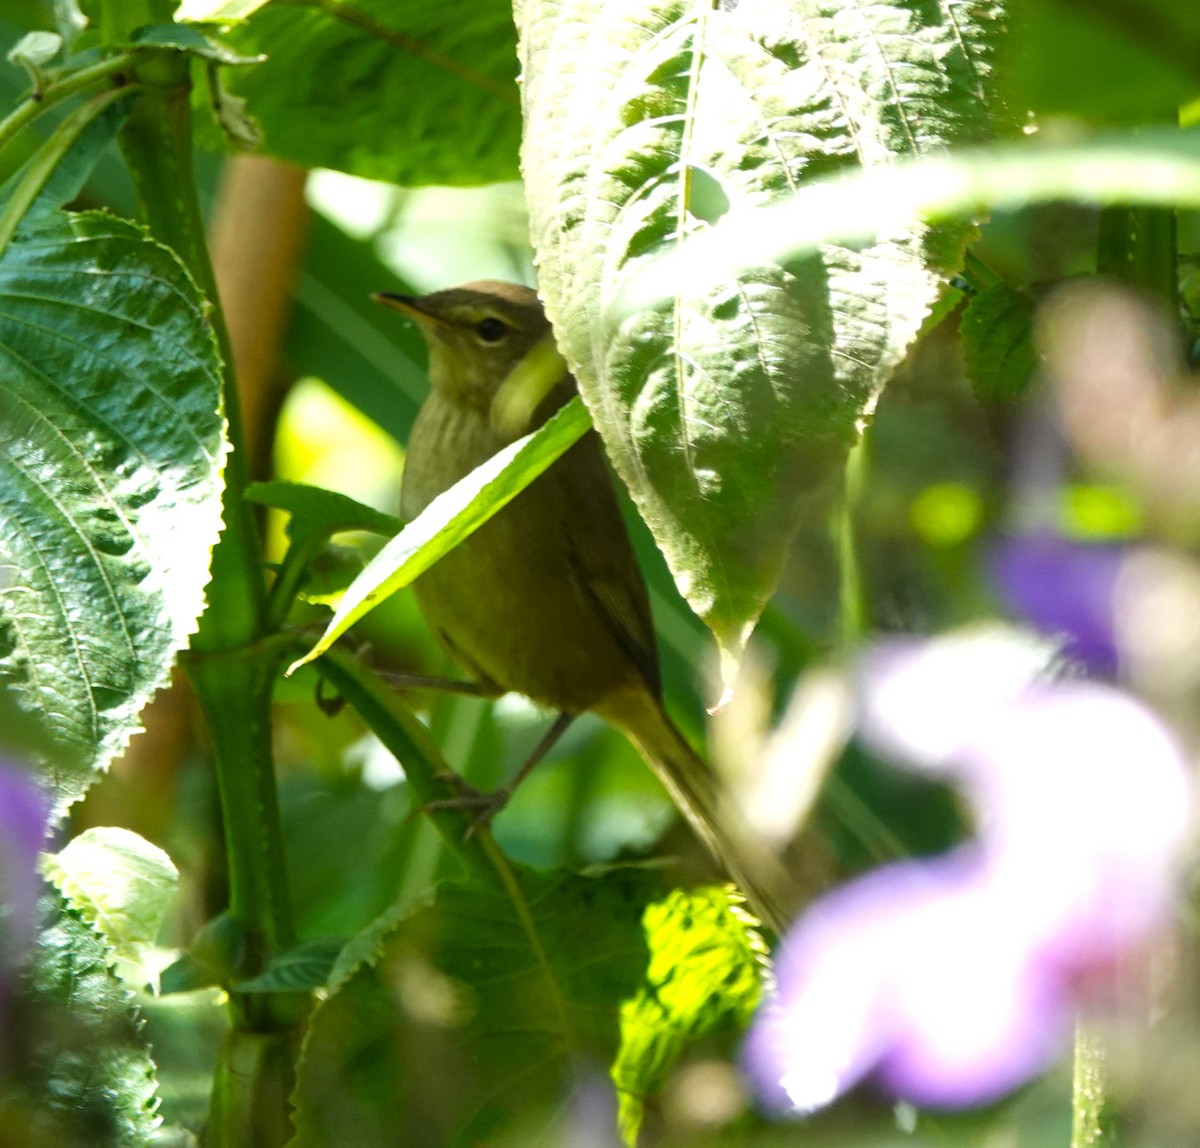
[(411, 305)]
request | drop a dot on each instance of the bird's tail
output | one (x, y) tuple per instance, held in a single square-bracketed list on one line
[(754, 867)]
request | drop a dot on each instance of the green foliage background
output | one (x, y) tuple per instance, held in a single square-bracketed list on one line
[(480, 990)]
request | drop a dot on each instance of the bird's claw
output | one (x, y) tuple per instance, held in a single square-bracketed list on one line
[(467, 797)]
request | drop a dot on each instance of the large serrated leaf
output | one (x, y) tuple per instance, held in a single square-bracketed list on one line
[(475, 1015), (729, 408), (430, 88), (111, 449)]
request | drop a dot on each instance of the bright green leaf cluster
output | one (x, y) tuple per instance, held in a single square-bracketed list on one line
[(706, 971)]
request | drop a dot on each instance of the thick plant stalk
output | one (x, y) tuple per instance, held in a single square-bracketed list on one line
[(1091, 1119), (231, 665)]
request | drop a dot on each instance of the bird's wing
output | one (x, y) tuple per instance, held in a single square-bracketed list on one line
[(604, 559)]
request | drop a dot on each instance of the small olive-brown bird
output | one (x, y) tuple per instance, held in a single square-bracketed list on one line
[(546, 598)]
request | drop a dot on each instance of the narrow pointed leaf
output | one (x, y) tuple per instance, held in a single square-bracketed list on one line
[(729, 407), (319, 513), (451, 517), (306, 966), (111, 448)]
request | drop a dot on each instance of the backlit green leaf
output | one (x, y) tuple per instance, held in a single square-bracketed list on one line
[(728, 408), (121, 885), (476, 1016), (430, 88), (706, 971)]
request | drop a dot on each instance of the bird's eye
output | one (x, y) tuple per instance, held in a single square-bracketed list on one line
[(491, 330)]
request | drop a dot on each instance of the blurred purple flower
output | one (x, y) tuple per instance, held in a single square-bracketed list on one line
[(951, 981), (1066, 589)]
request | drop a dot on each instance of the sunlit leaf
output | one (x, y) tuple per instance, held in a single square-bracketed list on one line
[(706, 972), (216, 11), (1151, 166), (729, 407), (111, 448), (121, 885)]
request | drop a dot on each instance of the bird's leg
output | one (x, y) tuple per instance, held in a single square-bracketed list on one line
[(407, 681), (488, 805), (331, 704)]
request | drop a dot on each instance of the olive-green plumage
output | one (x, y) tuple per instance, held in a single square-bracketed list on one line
[(546, 598)]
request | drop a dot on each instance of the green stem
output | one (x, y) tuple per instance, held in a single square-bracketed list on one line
[(47, 158), (427, 775), (157, 144), (290, 578), (28, 110), (241, 1117), (258, 893), (852, 607), (1092, 1118)]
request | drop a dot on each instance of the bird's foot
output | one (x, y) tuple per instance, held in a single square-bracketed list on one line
[(485, 806)]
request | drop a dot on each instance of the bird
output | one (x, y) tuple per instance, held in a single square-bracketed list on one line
[(546, 598)]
